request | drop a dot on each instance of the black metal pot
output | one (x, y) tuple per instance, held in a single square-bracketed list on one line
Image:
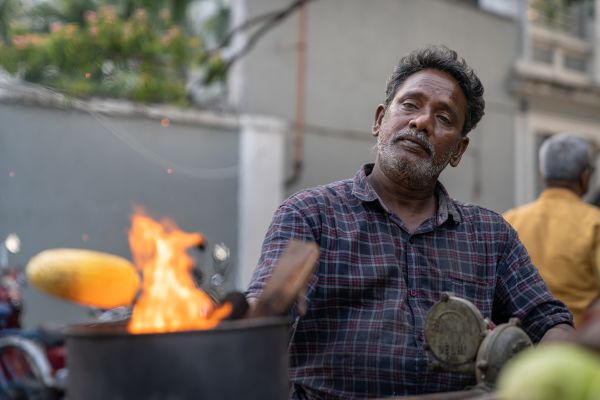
[(244, 359)]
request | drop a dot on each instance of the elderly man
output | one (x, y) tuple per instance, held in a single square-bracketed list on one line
[(392, 240), (559, 230)]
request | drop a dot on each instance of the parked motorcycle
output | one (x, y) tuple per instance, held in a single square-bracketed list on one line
[(32, 362)]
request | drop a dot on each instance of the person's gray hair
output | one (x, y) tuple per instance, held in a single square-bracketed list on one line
[(563, 157)]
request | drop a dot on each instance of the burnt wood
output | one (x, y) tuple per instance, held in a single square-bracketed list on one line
[(288, 281)]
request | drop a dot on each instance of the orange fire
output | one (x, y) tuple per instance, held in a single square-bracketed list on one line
[(169, 300)]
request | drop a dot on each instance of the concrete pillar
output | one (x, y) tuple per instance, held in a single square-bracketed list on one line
[(524, 24), (558, 59), (235, 77), (596, 43), (261, 187), (525, 171)]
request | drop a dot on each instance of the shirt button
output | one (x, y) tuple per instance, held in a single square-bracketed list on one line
[(412, 293)]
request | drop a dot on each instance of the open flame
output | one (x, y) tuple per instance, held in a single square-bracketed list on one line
[(170, 300)]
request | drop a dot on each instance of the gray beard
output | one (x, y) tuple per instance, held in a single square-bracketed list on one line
[(413, 172)]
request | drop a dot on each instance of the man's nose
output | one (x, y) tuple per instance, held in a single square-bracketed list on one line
[(422, 121)]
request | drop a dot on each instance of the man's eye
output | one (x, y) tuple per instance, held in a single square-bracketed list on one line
[(409, 105), (444, 119)]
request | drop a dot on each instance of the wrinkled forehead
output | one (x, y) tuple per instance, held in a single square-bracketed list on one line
[(436, 83)]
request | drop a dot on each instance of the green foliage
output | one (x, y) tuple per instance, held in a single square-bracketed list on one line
[(558, 14), (8, 8), (87, 47)]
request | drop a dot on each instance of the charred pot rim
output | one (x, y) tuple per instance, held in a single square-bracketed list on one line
[(112, 329)]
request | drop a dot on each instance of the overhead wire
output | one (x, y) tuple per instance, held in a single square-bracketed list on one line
[(127, 138)]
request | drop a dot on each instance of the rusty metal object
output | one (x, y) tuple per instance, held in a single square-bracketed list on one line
[(288, 281), (461, 340), (499, 346), (454, 330)]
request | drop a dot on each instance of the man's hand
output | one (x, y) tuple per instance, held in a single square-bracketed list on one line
[(559, 333)]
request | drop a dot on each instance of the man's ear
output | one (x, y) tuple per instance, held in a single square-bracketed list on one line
[(379, 113), (584, 179), (461, 147)]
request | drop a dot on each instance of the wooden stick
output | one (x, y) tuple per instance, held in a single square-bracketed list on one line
[(288, 281)]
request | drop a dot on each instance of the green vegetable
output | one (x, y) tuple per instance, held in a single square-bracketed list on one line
[(557, 371)]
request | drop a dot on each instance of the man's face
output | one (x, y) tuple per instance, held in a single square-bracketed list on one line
[(420, 131)]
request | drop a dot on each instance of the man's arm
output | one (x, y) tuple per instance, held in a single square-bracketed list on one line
[(288, 281), (560, 332), (288, 223), (521, 292), (596, 258)]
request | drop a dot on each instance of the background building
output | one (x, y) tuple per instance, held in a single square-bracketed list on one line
[(303, 96), (538, 61)]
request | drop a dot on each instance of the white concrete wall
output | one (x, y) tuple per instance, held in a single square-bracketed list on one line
[(352, 46), (71, 173), (261, 187)]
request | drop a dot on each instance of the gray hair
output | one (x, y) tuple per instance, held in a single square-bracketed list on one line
[(564, 157)]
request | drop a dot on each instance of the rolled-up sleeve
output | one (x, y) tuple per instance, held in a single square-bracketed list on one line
[(290, 221), (521, 292)]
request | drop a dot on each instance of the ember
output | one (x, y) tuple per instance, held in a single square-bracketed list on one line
[(169, 300)]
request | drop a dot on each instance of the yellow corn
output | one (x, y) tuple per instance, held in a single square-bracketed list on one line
[(85, 277)]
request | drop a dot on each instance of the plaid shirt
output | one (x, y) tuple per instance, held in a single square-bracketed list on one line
[(362, 335)]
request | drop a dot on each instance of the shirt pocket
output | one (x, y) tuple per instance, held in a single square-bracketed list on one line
[(353, 285), (477, 290)]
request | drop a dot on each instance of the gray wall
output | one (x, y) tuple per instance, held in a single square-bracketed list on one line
[(71, 179), (352, 46)]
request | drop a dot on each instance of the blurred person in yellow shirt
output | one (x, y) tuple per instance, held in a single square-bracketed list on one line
[(559, 230)]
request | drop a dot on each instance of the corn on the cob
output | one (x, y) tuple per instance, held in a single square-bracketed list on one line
[(86, 277)]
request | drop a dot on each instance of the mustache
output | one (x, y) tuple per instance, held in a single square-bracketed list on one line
[(415, 136)]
